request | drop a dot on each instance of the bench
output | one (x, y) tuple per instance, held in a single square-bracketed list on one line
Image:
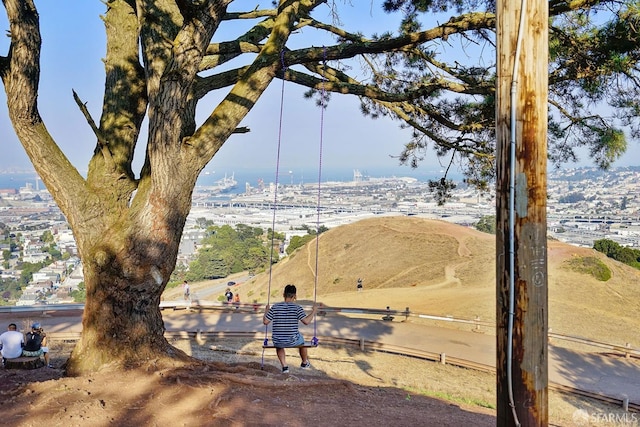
[(24, 362)]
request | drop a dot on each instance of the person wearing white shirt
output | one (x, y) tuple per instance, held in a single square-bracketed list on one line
[(11, 343)]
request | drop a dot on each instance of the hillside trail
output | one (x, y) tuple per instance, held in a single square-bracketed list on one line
[(419, 294), (450, 278)]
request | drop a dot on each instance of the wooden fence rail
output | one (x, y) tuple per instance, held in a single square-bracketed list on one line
[(387, 313)]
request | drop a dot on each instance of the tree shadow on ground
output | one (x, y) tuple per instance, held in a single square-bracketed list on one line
[(606, 375)]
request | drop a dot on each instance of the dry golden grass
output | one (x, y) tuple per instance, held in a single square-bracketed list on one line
[(440, 268)]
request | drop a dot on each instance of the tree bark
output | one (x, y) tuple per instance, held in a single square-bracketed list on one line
[(125, 275)]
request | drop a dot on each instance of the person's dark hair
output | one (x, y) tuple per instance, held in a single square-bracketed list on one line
[(13, 326), (290, 291)]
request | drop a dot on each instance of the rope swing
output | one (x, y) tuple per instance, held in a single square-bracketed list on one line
[(314, 341)]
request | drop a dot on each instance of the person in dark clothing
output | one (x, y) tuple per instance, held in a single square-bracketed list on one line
[(36, 344)]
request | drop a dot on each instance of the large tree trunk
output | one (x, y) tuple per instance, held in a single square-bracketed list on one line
[(128, 259), (122, 322)]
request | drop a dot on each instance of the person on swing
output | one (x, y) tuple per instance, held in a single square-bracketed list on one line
[(285, 316)]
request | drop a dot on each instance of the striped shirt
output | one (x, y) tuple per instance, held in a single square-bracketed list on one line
[(285, 317)]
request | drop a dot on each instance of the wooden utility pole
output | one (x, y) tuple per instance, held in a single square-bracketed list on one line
[(521, 242)]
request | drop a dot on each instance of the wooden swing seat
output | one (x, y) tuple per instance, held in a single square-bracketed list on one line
[(306, 344)]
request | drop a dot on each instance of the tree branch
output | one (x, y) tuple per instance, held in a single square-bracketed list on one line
[(456, 25), (102, 143), (87, 116), (124, 100), (558, 7), (224, 119), (353, 87), (21, 78)]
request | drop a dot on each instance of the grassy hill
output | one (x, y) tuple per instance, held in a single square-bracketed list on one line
[(440, 268)]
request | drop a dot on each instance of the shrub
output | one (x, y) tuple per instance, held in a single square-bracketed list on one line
[(487, 224), (592, 266)]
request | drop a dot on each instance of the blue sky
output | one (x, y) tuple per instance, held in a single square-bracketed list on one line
[(73, 45)]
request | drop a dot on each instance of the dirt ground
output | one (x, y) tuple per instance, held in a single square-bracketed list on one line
[(224, 392), (236, 384)]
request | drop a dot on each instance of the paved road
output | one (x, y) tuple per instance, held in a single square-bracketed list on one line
[(612, 376), (214, 289)]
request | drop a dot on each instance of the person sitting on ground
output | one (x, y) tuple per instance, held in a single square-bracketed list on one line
[(36, 344), (11, 343), (284, 332)]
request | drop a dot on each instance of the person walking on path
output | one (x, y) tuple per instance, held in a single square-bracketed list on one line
[(187, 290), (285, 333), (236, 300)]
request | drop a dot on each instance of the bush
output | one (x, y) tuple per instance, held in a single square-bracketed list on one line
[(487, 224), (620, 253), (80, 294), (592, 266)]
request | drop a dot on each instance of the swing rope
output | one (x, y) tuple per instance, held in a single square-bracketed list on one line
[(314, 340), (275, 202)]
